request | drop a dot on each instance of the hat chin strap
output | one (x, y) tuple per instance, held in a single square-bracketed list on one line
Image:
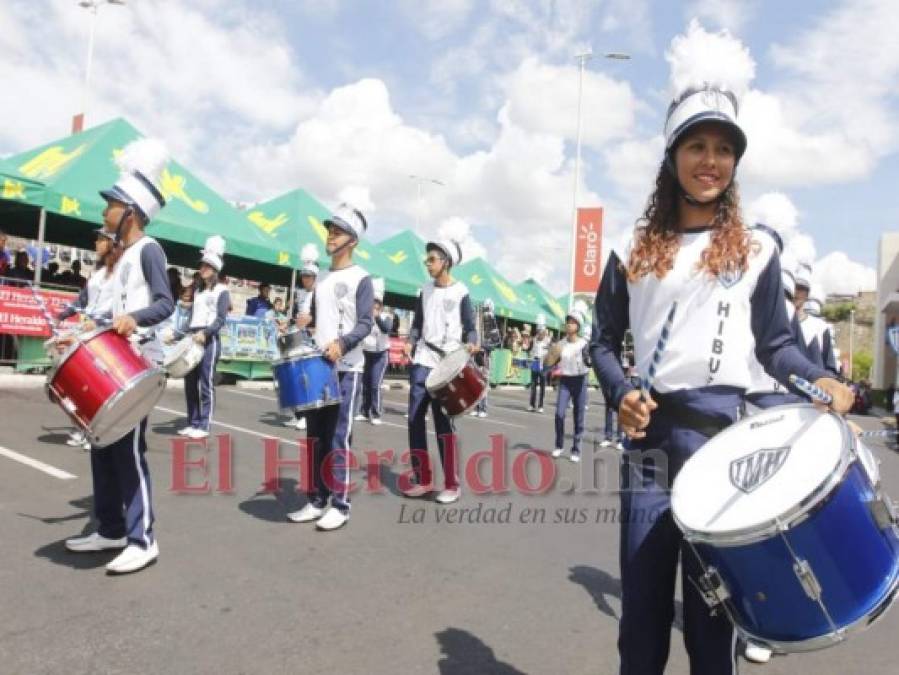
[(118, 232), (340, 248)]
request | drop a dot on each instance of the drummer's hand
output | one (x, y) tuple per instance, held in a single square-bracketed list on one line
[(303, 320), (407, 349), (124, 325), (333, 351), (633, 414), (63, 343), (473, 349), (200, 337), (88, 325), (843, 398)]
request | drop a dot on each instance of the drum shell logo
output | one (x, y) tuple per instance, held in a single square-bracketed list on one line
[(749, 472)]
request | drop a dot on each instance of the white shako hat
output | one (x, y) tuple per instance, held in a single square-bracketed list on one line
[(141, 163)]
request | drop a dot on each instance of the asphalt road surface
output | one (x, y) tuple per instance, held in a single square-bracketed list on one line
[(239, 589)]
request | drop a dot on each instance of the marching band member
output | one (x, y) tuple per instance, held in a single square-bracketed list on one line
[(375, 349), (342, 307), (817, 332), (142, 298), (539, 349), (575, 365), (444, 321), (482, 358), (94, 301), (690, 247), (211, 303), (301, 313)]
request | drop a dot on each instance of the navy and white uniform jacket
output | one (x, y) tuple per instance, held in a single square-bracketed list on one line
[(210, 309), (444, 318), (96, 298), (342, 308), (302, 302), (762, 382), (818, 337), (141, 289), (540, 347), (379, 339), (722, 324)]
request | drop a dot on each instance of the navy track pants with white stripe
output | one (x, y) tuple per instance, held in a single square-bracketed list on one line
[(199, 386), (651, 545), (123, 494), (330, 430)]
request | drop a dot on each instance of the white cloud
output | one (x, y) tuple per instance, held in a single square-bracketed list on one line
[(836, 273), (543, 98), (730, 14), (777, 211), (436, 18)]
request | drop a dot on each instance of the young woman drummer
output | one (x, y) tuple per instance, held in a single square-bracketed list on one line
[(95, 301), (210, 309), (690, 247)]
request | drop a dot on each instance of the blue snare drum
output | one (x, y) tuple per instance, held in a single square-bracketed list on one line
[(785, 512), (520, 363), (305, 382), (536, 366)]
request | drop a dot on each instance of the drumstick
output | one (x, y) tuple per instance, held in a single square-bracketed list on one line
[(43, 307), (880, 433), (646, 383), (810, 389)]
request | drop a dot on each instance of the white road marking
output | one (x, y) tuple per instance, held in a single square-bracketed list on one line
[(36, 464)]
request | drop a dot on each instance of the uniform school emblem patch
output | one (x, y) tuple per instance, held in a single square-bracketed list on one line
[(448, 305), (340, 290), (730, 277), (751, 471)]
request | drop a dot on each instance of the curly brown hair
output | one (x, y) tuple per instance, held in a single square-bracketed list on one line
[(658, 233)]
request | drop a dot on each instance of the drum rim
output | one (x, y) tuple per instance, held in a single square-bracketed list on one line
[(793, 516), (830, 639), (299, 357), (435, 386), (192, 347), (118, 396)]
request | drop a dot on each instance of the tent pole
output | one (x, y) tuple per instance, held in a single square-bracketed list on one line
[(293, 283), (39, 262)]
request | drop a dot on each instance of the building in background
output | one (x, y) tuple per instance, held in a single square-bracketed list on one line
[(884, 371)]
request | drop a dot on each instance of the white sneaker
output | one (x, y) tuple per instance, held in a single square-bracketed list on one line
[(360, 417), (449, 496), (417, 491), (375, 420), (540, 409), (482, 414), (606, 444), (306, 514), (557, 452), (133, 558), (531, 408), (186, 431), (76, 439), (473, 413), (300, 423), (575, 457), (292, 422), (756, 653), (93, 543), (619, 445), (198, 434), (332, 520)]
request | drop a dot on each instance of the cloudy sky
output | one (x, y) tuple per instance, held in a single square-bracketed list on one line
[(348, 98)]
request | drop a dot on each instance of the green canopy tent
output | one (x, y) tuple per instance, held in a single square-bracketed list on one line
[(536, 295), (296, 218), (51, 193), (407, 250), (484, 282)]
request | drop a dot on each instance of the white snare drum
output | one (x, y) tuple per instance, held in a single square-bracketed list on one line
[(183, 357)]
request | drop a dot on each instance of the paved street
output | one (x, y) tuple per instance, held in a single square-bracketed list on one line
[(239, 589)]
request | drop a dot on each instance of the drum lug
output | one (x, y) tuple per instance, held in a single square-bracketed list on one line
[(712, 588), (807, 578), (884, 512)]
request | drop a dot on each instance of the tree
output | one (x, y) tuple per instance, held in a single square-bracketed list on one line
[(861, 365)]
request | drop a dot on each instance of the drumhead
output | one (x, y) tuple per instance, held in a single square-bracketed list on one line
[(178, 351), (765, 470), (449, 366)]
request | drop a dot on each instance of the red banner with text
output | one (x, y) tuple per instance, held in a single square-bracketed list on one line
[(588, 250), (20, 313)]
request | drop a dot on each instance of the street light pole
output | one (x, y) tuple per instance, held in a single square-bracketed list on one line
[(419, 202), (582, 59), (93, 6), (851, 331)]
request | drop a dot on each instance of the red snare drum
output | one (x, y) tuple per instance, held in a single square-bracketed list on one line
[(457, 383), (105, 385)]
